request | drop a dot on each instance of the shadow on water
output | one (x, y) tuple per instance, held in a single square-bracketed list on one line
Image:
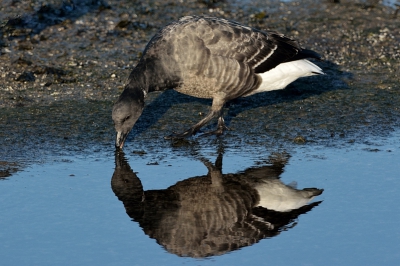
[(214, 214), (298, 90)]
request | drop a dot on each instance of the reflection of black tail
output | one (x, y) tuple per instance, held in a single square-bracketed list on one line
[(205, 215), (283, 220)]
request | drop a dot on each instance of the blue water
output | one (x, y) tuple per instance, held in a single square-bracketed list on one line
[(65, 213)]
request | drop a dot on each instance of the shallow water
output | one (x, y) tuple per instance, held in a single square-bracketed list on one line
[(65, 212)]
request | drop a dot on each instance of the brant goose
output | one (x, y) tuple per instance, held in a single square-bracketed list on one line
[(215, 213), (214, 58)]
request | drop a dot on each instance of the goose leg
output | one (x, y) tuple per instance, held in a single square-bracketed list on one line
[(220, 128), (216, 111), (194, 129)]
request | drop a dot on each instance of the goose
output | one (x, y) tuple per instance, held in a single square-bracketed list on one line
[(212, 214), (212, 58)]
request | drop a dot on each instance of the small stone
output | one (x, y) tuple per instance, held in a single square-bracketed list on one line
[(26, 76), (299, 140)]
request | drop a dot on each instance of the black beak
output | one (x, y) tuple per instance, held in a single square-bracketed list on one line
[(120, 140)]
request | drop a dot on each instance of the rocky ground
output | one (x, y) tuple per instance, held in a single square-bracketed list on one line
[(63, 63), (58, 50)]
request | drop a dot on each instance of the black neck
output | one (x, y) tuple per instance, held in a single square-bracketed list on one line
[(138, 81), (152, 75)]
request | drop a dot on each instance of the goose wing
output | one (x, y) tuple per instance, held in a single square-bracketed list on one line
[(206, 56), (260, 50)]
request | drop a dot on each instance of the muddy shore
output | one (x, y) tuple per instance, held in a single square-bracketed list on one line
[(63, 63)]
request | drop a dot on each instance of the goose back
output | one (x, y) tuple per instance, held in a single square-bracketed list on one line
[(205, 56)]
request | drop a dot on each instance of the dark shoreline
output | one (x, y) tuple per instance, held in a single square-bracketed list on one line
[(62, 66)]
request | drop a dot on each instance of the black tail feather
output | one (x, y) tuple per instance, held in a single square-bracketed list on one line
[(305, 53)]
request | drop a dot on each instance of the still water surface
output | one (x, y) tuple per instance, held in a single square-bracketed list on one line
[(66, 212)]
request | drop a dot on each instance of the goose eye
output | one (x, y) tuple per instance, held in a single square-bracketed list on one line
[(126, 118)]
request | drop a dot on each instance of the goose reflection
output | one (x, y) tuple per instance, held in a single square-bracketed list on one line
[(211, 215)]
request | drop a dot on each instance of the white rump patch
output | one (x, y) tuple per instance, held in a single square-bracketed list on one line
[(275, 195), (285, 73)]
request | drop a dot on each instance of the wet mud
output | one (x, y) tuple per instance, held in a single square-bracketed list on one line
[(63, 63)]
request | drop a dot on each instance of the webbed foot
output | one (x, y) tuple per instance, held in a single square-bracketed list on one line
[(218, 132)]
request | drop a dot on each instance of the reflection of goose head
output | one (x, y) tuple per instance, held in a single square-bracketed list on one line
[(213, 214)]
